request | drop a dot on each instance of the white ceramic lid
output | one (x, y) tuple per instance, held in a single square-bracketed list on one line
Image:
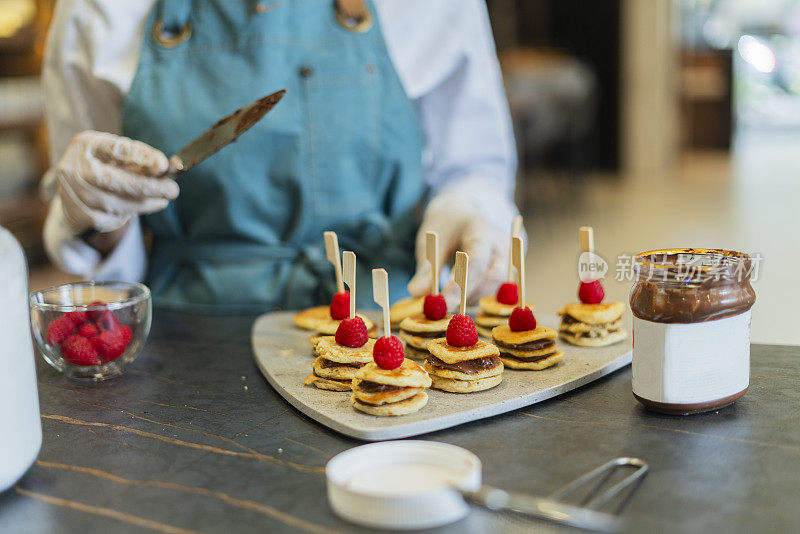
[(402, 484)]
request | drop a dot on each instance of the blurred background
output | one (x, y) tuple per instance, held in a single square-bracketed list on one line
[(662, 123)]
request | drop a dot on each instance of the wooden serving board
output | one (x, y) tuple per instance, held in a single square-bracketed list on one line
[(283, 354)]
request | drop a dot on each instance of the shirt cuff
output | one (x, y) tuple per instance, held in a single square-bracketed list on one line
[(127, 262)]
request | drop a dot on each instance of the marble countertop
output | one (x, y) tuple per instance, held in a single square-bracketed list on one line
[(193, 439)]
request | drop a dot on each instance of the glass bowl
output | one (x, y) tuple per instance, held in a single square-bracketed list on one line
[(91, 330)]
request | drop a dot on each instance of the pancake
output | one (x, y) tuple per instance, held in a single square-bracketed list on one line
[(334, 370), (489, 321), (330, 350), (609, 339), (505, 335), (450, 354), (419, 324), (409, 374), (491, 306), (487, 368), (465, 386), (537, 365), (416, 354), (328, 327), (309, 319), (485, 333), (329, 384), (372, 393), (568, 324), (593, 314), (404, 407), (416, 342), (405, 308)]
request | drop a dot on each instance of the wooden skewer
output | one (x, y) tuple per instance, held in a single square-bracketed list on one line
[(332, 251), (518, 259), (349, 267), (432, 253), (380, 294), (516, 228), (460, 276), (587, 239)]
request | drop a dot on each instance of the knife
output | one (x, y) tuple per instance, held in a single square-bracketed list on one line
[(225, 131)]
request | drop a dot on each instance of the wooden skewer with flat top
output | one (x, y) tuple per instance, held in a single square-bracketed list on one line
[(380, 294), (332, 251), (587, 239), (516, 228), (432, 254), (518, 260), (349, 275), (460, 271)]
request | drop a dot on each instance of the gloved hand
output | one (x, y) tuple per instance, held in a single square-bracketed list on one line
[(461, 228), (104, 179)]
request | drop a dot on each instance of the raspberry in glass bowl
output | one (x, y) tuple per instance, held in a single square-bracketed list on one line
[(91, 330)]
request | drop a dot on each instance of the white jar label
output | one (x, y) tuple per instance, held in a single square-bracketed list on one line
[(689, 363)]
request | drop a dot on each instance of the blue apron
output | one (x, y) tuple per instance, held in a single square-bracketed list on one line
[(341, 151)]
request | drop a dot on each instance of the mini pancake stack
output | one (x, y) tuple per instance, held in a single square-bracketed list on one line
[(328, 327), (405, 308), (592, 325), (493, 313), (463, 369), (308, 319), (336, 365), (390, 392), (417, 330), (531, 350)]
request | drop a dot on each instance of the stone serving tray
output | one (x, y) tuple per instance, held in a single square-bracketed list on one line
[(283, 355)]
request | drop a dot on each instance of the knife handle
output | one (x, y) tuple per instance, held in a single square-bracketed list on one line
[(175, 168)]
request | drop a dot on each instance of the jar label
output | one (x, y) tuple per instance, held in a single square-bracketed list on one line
[(689, 363)]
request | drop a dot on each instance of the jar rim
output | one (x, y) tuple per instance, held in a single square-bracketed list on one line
[(643, 258)]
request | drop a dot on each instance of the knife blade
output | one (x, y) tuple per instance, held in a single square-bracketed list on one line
[(223, 132)]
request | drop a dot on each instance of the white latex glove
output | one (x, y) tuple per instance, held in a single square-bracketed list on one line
[(461, 228), (104, 179)]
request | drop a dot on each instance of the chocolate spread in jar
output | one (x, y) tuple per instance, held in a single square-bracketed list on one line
[(468, 366), (691, 285)]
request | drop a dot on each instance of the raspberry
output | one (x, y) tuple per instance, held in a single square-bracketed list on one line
[(521, 319), (340, 306), (508, 293), (108, 345), (105, 320), (94, 314), (87, 330), (77, 318), (461, 331), (435, 307), (352, 333), (125, 333), (78, 350), (388, 352), (591, 292), (59, 330)]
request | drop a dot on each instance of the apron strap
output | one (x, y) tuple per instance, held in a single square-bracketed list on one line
[(174, 14)]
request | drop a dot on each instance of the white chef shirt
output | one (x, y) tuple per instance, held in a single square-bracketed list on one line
[(442, 50)]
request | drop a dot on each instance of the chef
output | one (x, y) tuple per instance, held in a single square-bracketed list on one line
[(394, 124)]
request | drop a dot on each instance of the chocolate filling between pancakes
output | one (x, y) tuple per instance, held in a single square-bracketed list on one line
[(325, 364), (374, 387), (468, 366), (539, 344), (525, 358)]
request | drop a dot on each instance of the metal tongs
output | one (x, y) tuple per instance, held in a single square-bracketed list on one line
[(585, 514)]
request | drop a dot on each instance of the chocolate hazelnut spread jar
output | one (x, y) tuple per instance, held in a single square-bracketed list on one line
[(691, 329)]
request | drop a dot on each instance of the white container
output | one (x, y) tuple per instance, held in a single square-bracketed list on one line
[(402, 485), (20, 425)]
